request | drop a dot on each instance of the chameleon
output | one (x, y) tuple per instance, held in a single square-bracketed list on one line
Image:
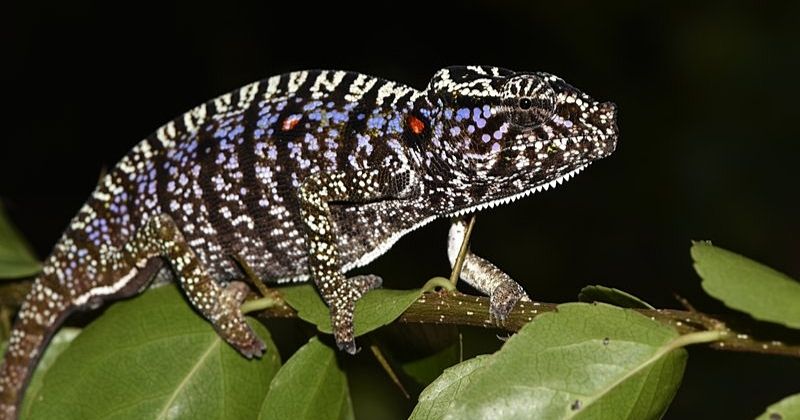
[(303, 177)]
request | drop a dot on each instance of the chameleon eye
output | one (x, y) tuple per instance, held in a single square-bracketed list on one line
[(528, 99)]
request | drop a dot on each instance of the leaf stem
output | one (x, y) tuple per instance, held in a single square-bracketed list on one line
[(259, 304)]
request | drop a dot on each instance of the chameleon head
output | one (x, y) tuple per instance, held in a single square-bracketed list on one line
[(500, 135)]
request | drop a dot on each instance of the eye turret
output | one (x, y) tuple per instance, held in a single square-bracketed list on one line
[(529, 100)]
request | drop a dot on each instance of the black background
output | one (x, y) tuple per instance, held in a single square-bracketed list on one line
[(707, 95)]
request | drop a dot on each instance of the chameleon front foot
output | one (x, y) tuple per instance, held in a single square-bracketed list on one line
[(342, 310), (503, 299)]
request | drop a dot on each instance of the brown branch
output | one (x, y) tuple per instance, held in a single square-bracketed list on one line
[(454, 308)]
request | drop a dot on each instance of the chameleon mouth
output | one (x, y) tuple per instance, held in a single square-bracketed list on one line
[(500, 201)]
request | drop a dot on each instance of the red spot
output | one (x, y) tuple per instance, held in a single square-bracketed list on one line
[(415, 124), (290, 122)]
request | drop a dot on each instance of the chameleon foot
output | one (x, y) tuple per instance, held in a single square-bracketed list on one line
[(342, 313), (231, 325), (503, 298)]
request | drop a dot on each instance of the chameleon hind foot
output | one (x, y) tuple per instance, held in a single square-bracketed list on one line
[(231, 325), (342, 310), (161, 237)]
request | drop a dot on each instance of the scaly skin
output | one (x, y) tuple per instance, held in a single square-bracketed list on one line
[(305, 176)]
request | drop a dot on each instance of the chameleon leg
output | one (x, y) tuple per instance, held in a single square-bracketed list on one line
[(220, 305), (481, 274), (339, 292)]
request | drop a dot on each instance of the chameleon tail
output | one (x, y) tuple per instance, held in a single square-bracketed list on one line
[(43, 310)]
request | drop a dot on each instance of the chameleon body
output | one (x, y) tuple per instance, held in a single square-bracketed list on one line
[(305, 176)]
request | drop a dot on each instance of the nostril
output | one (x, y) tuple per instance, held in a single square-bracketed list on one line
[(608, 108)]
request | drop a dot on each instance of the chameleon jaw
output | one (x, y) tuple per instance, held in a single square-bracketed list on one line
[(541, 187)]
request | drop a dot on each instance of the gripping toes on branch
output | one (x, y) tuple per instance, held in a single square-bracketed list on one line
[(342, 307), (325, 266), (161, 237), (481, 274)]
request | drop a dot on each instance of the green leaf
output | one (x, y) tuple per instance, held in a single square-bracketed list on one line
[(612, 296), (309, 386), (747, 286), (583, 361), (16, 258), (58, 344), (426, 369), (785, 409), (437, 398), (375, 309), (154, 357)]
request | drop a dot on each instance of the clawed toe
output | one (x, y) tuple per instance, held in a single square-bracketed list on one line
[(251, 349), (348, 346), (503, 299)]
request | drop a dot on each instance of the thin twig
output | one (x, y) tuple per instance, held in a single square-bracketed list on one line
[(462, 252)]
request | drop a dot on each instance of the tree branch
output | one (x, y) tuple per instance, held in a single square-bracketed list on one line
[(454, 308)]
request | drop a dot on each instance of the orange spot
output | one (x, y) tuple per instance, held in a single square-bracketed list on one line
[(415, 124), (290, 122)]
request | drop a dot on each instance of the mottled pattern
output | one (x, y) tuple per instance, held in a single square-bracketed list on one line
[(306, 176)]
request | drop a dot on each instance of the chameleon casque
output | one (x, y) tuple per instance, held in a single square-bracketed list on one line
[(305, 176)]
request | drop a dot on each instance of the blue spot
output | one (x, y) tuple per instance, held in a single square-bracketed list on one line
[(376, 122), (462, 114), (223, 131), (487, 111), (395, 125), (330, 155), (471, 129), (312, 105), (311, 141), (486, 138), (263, 122), (363, 143), (265, 107), (455, 130), (235, 132)]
